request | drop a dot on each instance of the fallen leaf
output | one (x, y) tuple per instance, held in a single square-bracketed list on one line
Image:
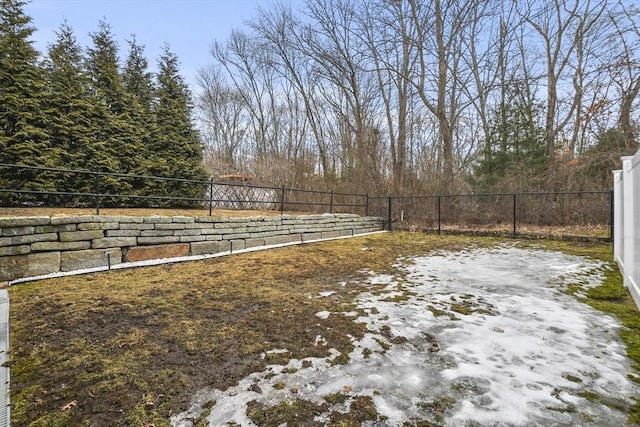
[(69, 405), (499, 330)]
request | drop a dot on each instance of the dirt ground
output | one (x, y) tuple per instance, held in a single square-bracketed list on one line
[(130, 347)]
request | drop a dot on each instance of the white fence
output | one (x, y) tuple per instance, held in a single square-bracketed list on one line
[(626, 223), (231, 196)]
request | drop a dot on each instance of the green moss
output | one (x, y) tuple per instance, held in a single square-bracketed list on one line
[(437, 407), (594, 397), (361, 409), (399, 339), (572, 378), (279, 385), (436, 311), (297, 412), (611, 289), (569, 408), (613, 298), (336, 398), (396, 298), (341, 359), (201, 420), (385, 346), (421, 423), (462, 308), (277, 358)]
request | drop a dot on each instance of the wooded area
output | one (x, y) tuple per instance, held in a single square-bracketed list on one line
[(386, 97), (426, 96)]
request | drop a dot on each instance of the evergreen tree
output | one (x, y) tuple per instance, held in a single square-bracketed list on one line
[(23, 135), (137, 80), (139, 85), (516, 160), (69, 108), (177, 143), (117, 147)]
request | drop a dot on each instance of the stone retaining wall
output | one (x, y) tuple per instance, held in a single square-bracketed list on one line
[(32, 246)]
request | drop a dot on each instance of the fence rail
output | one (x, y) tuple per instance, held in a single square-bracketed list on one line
[(626, 247), (576, 215), (562, 215), (209, 194)]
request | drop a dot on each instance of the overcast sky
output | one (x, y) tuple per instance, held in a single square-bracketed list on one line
[(189, 26)]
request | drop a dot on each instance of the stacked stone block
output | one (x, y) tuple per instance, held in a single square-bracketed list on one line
[(32, 246)]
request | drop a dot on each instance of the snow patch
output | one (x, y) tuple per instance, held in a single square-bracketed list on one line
[(325, 294), (491, 332)]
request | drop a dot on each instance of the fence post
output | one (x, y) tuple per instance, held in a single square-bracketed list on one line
[(211, 196), (331, 203), (282, 201), (514, 215), (611, 215), (439, 214), (630, 222), (97, 192), (389, 214), (366, 206)]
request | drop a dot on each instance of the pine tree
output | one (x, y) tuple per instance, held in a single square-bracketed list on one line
[(178, 142), (69, 108), (139, 85), (117, 148), (517, 161), (23, 134), (137, 80)]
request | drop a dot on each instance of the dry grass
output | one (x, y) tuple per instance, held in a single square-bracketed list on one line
[(130, 347), (594, 231)]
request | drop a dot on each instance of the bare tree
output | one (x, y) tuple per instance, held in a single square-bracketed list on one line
[(392, 95), (624, 67), (340, 62), (285, 35), (562, 29), (384, 27), (438, 29), (223, 121)]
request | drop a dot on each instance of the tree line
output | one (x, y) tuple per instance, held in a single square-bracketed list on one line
[(426, 96), (82, 108)]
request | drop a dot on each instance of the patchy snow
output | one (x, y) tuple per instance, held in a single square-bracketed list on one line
[(489, 334), (323, 314), (324, 294), (275, 351)]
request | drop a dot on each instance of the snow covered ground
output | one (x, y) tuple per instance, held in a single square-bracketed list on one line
[(480, 337)]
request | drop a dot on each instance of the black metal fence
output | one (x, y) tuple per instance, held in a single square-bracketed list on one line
[(94, 189), (583, 215), (575, 215)]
